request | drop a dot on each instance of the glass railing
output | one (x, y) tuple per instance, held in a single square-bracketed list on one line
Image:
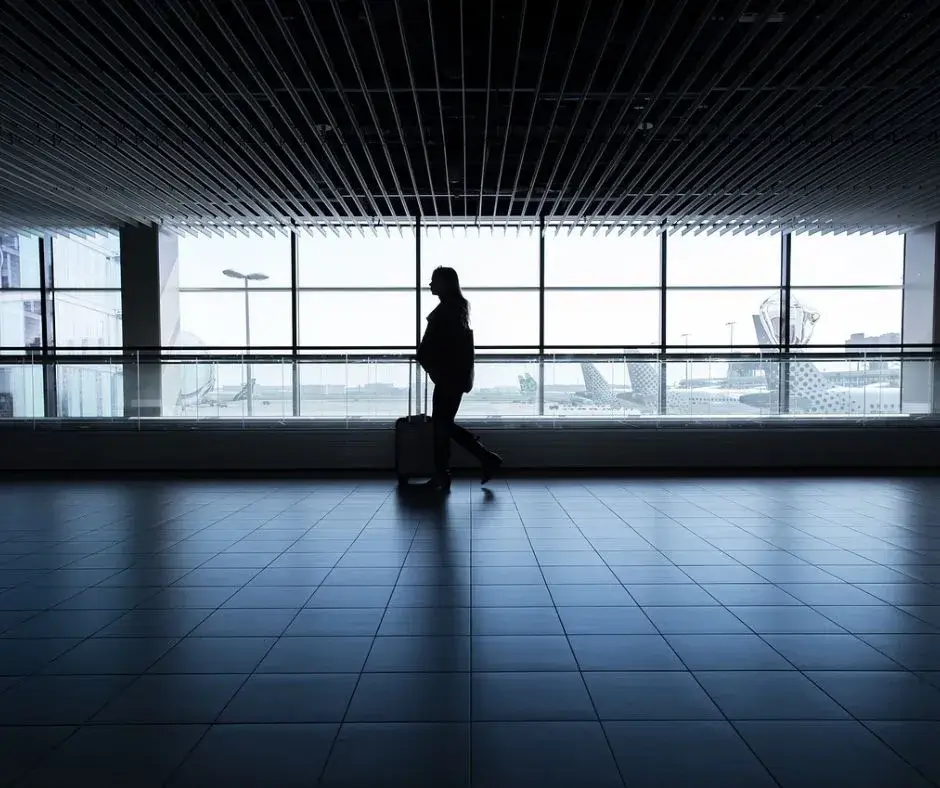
[(208, 384)]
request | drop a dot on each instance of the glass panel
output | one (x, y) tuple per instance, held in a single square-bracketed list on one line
[(20, 320), (917, 378), (357, 319), (714, 318), (378, 259), (717, 387), (354, 389), (203, 259), (504, 319), (21, 395), (847, 317), (90, 390), (601, 260), (843, 260), (19, 261), (92, 262), (841, 387), (484, 256), (208, 390), (624, 318), (722, 260), (220, 320), (88, 319), (590, 389)]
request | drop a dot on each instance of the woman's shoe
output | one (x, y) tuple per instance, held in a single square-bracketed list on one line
[(490, 466), (439, 482)]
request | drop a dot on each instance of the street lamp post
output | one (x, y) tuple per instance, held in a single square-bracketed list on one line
[(246, 278), (688, 366)]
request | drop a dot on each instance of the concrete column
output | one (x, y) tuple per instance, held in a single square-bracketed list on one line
[(920, 382), (148, 266)]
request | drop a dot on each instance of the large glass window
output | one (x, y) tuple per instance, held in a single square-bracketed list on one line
[(372, 258), (19, 262), (847, 260), (20, 321), (357, 290), (21, 390), (721, 319), (846, 316), (601, 289), (225, 295), (601, 318), (846, 294), (87, 319), (602, 259), (846, 289), (355, 389), (498, 268), (89, 261), (204, 260), (722, 260), (350, 319), (259, 321), (357, 299), (486, 256), (716, 285), (504, 319)]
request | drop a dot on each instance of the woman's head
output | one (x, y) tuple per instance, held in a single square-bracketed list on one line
[(445, 283)]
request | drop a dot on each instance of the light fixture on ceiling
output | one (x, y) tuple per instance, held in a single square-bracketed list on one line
[(749, 17)]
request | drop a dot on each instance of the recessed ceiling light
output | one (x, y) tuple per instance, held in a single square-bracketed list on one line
[(750, 17)]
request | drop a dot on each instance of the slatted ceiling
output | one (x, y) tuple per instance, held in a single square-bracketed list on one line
[(713, 116)]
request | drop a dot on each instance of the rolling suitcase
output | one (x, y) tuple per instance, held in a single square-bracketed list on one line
[(414, 441)]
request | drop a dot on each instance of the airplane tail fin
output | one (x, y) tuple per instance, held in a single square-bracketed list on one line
[(528, 385), (597, 388), (809, 390), (771, 368), (644, 379)]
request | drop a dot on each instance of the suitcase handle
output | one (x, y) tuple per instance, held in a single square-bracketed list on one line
[(410, 383)]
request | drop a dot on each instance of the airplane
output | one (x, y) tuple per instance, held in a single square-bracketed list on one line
[(683, 400), (644, 396), (598, 393), (811, 392)]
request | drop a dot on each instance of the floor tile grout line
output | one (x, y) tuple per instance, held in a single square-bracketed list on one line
[(771, 546), (587, 689), (342, 722), (199, 741), (705, 691), (470, 629), (883, 603), (800, 672), (867, 726), (81, 641)]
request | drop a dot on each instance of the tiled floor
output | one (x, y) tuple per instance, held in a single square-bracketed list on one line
[(547, 633)]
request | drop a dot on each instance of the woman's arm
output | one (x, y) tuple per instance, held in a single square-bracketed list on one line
[(428, 349)]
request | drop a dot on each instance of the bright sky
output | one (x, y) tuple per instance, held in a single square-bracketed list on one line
[(746, 267)]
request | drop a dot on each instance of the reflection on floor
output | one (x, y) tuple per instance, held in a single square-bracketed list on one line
[(548, 633)]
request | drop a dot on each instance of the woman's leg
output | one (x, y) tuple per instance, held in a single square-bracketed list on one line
[(445, 402)]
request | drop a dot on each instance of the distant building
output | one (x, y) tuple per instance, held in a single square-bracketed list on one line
[(892, 339)]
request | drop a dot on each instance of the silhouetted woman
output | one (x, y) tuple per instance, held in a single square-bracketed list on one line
[(446, 353)]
